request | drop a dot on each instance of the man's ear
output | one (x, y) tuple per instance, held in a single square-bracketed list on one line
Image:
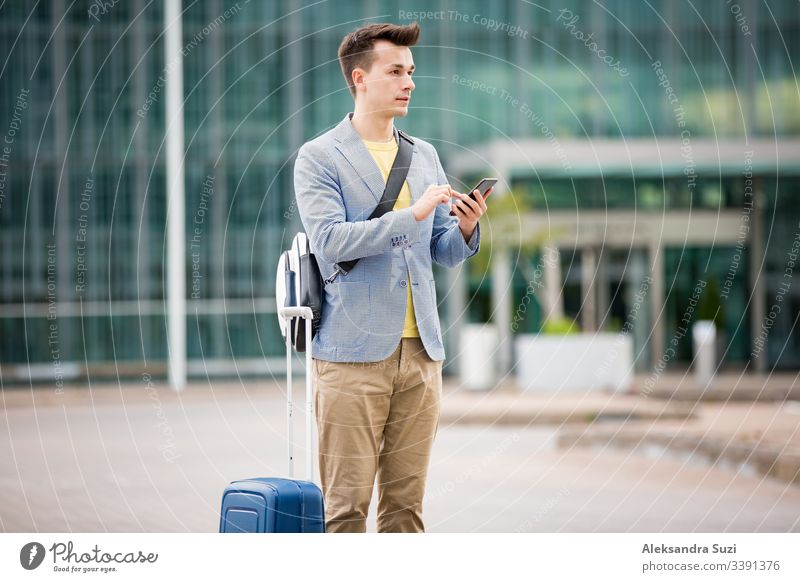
[(357, 77)]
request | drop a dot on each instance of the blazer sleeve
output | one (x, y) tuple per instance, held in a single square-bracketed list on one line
[(448, 247), (322, 212)]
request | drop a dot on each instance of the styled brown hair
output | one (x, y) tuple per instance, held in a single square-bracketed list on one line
[(356, 48)]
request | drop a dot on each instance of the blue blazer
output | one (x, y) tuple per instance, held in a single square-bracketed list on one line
[(337, 185)]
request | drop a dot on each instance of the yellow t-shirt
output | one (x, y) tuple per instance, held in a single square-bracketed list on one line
[(384, 154)]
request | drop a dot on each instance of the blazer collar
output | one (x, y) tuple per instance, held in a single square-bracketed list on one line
[(350, 144)]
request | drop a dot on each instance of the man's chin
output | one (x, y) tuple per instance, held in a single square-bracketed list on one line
[(401, 111)]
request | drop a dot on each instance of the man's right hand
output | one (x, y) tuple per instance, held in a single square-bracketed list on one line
[(430, 199)]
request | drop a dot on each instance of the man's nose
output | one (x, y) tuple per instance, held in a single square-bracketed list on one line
[(409, 84)]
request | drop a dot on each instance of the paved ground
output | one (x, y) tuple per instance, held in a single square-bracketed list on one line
[(140, 459), (750, 423)]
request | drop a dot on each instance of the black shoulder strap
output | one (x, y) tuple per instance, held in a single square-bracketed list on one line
[(394, 183), (397, 176)]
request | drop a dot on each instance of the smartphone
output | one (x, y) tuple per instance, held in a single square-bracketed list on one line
[(483, 187)]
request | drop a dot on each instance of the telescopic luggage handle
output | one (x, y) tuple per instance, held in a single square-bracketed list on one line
[(305, 313)]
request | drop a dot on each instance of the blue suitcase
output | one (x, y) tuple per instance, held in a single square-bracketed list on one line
[(274, 504)]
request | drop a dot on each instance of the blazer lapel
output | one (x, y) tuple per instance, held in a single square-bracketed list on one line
[(357, 156), (355, 152), (415, 176)]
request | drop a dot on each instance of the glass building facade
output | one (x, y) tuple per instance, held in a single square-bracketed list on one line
[(83, 208)]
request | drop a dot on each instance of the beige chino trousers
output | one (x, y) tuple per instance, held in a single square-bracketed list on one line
[(377, 419)]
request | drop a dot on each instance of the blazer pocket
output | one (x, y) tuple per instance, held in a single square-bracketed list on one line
[(351, 322)]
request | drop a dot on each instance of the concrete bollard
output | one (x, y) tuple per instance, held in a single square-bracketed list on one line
[(704, 338)]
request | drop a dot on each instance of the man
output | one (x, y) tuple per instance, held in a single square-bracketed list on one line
[(378, 353)]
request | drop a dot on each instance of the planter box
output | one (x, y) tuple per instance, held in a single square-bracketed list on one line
[(584, 361)]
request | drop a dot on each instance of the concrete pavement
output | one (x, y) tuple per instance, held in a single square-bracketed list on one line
[(139, 458), (748, 422)]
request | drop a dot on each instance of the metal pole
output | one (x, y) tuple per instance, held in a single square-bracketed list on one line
[(502, 297), (304, 313), (588, 271), (757, 275), (552, 298), (176, 240), (309, 405), (289, 399), (657, 306)]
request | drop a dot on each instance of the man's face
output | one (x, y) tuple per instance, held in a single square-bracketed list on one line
[(386, 88)]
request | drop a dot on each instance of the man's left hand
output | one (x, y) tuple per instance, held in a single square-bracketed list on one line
[(469, 211)]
